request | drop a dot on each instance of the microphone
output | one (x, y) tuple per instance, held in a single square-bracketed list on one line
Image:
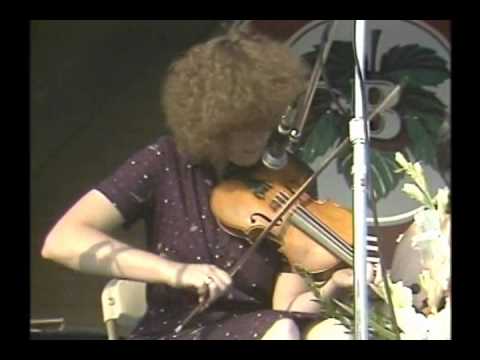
[(275, 156)]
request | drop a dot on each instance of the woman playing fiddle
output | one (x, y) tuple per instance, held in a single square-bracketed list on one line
[(222, 99)]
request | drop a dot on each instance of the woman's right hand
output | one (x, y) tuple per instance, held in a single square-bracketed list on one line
[(341, 281), (209, 280)]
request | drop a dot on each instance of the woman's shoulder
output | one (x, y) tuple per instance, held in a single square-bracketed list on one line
[(166, 147), (163, 145), (164, 142)]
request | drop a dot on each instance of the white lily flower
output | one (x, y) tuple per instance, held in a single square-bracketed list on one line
[(400, 159), (434, 247), (419, 177), (428, 219), (415, 326), (402, 296), (440, 323), (419, 191), (430, 238), (426, 240), (442, 200), (415, 193), (435, 288)]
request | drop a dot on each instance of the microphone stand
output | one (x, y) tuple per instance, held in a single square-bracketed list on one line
[(359, 140), (320, 63), (358, 128), (289, 132)]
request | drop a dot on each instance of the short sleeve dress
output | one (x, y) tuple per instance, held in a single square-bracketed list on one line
[(162, 187)]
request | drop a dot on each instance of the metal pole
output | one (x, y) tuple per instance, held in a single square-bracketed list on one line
[(358, 138)]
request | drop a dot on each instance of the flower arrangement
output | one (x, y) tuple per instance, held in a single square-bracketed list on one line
[(430, 237)]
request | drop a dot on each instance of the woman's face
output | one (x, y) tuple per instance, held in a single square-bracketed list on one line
[(246, 147)]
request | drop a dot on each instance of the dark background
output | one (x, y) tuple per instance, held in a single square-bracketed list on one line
[(94, 99)]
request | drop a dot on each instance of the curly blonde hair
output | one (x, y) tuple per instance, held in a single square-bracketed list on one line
[(236, 81)]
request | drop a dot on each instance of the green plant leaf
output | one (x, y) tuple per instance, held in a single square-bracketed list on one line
[(382, 167), (339, 64), (422, 143), (423, 106), (418, 65), (320, 103), (421, 101), (323, 135)]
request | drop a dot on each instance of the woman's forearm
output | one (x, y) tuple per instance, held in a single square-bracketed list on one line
[(89, 250)]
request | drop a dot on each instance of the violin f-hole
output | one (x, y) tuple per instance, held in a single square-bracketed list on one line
[(253, 219)]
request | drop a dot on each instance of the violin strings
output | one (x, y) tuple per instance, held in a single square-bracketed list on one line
[(313, 219), (301, 209), (304, 214), (345, 248), (372, 250)]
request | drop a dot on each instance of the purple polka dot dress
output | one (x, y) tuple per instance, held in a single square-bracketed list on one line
[(161, 187)]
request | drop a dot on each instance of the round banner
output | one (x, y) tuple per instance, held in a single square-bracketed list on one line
[(416, 122)]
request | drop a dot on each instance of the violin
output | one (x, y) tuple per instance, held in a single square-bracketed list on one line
[(314, 235)]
